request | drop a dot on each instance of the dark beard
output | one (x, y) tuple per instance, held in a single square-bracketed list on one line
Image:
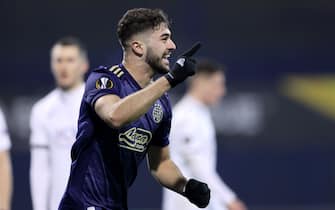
[(155, 62)]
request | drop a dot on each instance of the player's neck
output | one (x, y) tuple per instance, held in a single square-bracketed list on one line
[(140, 71)]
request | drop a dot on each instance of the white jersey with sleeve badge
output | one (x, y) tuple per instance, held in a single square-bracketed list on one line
[(4, 137), (193, 148), (53, 124)]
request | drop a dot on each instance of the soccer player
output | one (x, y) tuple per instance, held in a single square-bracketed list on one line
[(54, 124), (126, 116), (5, 166), (193, 148)]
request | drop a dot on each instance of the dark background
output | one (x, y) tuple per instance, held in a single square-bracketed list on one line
[(274, 151)]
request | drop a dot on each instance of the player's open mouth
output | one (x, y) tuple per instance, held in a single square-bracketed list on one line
[(166, 58)]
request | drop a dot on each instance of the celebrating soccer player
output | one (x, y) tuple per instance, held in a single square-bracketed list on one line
[(126, 116)]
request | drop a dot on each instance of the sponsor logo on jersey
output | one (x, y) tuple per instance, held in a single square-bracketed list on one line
[(103, 83), (136, 139), (157, 113)]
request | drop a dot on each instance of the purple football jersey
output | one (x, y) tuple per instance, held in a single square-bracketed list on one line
[(105, 159)]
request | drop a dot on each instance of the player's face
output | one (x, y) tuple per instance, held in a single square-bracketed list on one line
[(159, 49), (214, 88), (68, 66)]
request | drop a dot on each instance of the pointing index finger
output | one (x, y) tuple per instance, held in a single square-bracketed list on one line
[(193, 50)]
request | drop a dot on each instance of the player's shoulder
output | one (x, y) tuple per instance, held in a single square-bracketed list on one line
[(115, 71), (103, 75), (46, 102)]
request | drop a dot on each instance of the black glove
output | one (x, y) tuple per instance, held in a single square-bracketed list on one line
[(198, 193), (184, 67)]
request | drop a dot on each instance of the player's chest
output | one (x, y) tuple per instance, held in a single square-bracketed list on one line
[(152, 119), (138, 135)]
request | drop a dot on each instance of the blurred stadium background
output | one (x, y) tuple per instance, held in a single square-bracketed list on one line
[(276, 127)]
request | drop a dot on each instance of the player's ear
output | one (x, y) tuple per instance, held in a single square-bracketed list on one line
[(137, 47)]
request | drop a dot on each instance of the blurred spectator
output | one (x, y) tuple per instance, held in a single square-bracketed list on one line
[(54, 124), (193, 141), (5, 166)]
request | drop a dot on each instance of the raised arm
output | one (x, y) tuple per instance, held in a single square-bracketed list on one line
[(116, 112)]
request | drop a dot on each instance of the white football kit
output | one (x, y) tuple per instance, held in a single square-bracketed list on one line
[(193, 148), (4, 137), (53, 125)]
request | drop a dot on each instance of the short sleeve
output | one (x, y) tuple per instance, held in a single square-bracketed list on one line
[(161, 136), (4, 137), (100, 83), (38, 134)]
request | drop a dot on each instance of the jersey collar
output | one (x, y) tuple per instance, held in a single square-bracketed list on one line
[(129, 76)]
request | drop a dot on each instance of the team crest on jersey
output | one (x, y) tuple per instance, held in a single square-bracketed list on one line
[(136, 139), (103, 83), (157, 113)]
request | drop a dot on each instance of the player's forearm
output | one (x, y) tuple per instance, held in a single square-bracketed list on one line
[(135, 105), (5, 181), (169, 175)]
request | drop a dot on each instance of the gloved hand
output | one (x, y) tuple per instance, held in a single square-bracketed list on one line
[(197, 192), (184, 67)]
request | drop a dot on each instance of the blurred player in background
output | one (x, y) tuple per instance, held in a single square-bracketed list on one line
[(5, 166), (193, 143), (125, 116), (54, 124)]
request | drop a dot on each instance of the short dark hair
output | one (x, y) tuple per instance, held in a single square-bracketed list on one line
[(138, 20), (73, 41), (208, 67)]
